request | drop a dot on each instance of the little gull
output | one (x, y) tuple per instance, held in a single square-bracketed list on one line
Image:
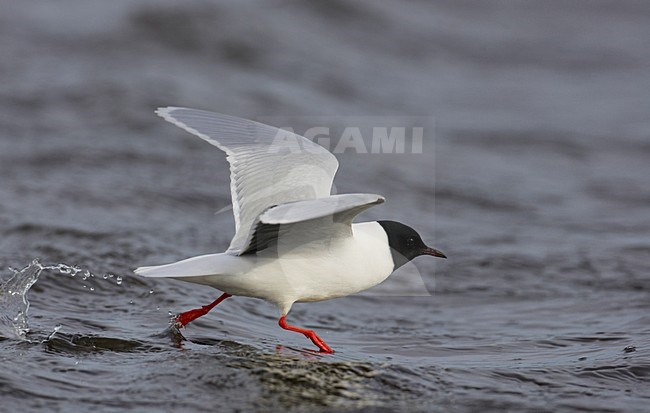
[(294, 242)]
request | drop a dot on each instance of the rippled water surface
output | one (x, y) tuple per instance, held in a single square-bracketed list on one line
[(534, 181)]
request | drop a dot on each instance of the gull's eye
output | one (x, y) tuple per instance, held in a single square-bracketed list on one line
[(410, 242)]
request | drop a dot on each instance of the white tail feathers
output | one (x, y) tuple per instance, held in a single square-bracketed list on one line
[(191, 267), (203, 265)]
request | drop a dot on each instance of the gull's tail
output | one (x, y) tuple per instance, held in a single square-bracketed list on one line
[(204, 265)]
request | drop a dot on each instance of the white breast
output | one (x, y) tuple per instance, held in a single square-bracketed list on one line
[(337, 268)]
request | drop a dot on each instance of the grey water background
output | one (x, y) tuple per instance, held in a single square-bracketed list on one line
[(536, 186)]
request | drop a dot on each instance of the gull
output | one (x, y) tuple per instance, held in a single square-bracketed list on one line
[(294, 241)]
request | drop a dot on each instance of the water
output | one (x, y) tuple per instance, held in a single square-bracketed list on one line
[(535, 186)]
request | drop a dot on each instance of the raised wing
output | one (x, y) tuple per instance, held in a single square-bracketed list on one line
[(268, 166), (317, 220)]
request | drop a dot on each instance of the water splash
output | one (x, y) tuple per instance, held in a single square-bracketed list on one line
[(14, 304), (54, 331), (13, 301)]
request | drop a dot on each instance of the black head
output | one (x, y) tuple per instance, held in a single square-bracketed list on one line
[(405, 243)]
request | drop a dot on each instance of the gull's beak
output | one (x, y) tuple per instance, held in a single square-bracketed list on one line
[(433, 252)]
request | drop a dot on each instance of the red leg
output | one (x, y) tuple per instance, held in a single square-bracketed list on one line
[(324, 348), (189, 316)]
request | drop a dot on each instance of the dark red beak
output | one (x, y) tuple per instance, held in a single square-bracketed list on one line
[(433, 252)]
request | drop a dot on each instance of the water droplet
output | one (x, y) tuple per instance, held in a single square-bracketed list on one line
[(131, 302), (56, 330), (150, 291), (92, 288), (111, 275), (105, 276), (118, 280)]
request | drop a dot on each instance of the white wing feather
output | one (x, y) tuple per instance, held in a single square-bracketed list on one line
[(333, 206), (321, 220), (268, 166)]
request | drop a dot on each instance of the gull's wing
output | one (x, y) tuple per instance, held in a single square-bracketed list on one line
[(316, 220), (268, 166)]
